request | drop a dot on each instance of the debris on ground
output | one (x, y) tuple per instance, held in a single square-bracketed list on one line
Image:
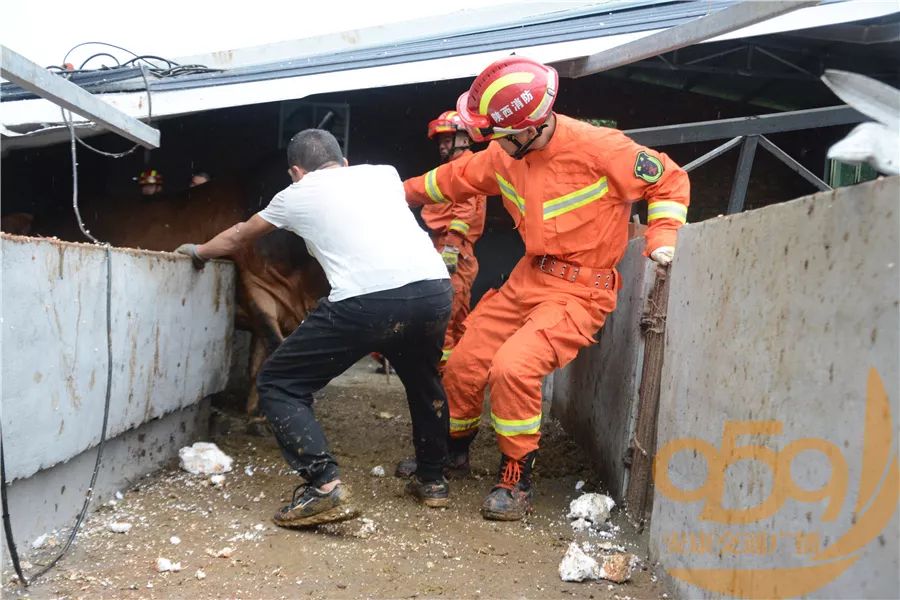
[(366, 529), (396, 549), (577, 565), (119, 527), (378, 471), (42, 540), (385, 415), (591, 508), (204, 458), (164, 565), (174, 540), (617, 567), (579, 484), (225, 552)]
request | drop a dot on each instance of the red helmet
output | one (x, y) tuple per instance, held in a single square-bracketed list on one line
[(150, 177), (447, 122), (511, 94)]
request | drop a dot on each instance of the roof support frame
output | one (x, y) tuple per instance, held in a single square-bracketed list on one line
[(66, 94), (706, 131), (707, 27)]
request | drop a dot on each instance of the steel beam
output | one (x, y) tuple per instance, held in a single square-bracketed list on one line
[(742, 175), (718, 151), (705, 131), (707, 27), (793, 164), (34, 78)]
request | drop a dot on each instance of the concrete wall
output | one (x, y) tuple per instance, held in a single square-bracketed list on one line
[(172, 332), (50, 500), (172, 335), (595, 396), (783, 314)]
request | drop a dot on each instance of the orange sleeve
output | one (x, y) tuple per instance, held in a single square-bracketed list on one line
[(456, 181), (638, 172), (465, 213)]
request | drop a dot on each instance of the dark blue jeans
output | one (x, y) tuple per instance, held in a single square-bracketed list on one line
[(407, 326)]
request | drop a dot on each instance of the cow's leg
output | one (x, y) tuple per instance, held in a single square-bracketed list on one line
[(258, 354), (266, 339)]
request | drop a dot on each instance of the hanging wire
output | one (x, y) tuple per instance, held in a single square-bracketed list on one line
[(68, 122), (89, 494)]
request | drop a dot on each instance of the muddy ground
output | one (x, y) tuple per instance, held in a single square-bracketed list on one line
[(402, 550)]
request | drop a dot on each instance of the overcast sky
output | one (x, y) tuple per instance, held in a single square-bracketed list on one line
[(44, 30)]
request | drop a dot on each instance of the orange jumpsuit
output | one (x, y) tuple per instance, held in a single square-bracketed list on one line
[(458, 224), (571, 202)]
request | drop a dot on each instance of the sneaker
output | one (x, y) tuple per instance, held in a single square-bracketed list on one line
[(434, 494), (310, 507), (458, 467), (510, 500)]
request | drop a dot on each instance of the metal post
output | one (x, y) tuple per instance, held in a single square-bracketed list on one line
[(742, 175)]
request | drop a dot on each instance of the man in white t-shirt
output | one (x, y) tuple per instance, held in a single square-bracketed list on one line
[(389, 293)]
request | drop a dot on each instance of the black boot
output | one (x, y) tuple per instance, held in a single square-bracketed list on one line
[(457, 466), (510, 500)]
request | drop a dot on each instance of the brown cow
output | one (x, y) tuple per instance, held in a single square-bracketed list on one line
[(16, 223), (279, 283)]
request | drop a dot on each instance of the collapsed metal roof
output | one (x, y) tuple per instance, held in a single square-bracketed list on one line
[(296, 70)]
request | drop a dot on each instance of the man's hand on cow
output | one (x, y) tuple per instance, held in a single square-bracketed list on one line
[(450, 254), (191, 250)]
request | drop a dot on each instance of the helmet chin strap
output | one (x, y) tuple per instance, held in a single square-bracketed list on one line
[(454, 148), (523, 149)]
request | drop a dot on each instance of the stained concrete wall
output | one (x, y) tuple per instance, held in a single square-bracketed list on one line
[(595, 396), (172, 333), (782, 314), (49, 501), (171, 342)]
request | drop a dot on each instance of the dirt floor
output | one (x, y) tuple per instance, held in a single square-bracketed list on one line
[(228, 547)]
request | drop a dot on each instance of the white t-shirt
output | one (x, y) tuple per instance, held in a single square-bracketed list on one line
[(356, 222)]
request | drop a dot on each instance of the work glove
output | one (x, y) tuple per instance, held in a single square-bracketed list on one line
[(450, 254), (191, 250), (663, 255)]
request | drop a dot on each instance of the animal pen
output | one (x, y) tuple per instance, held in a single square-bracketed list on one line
[(740, 407)]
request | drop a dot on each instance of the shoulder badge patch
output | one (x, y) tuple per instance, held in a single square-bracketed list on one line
[(646, 167)]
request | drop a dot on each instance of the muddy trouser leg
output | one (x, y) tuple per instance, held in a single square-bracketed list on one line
[(414, 349), (327, 343)]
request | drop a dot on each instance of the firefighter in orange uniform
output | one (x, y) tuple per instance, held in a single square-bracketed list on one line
[(455, 226), (569, 187), (151, 182)]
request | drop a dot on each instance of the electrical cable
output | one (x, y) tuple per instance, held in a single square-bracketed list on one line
[(69, 124), (89, 494), (93, 56)]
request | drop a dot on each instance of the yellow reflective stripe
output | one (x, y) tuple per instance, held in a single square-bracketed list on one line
[(666, 209), (445, 354), (499, 84), (510, 193), (464, 424), (432, 189), (510, 427), (460, 226), (578, 198), (548, 95)]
